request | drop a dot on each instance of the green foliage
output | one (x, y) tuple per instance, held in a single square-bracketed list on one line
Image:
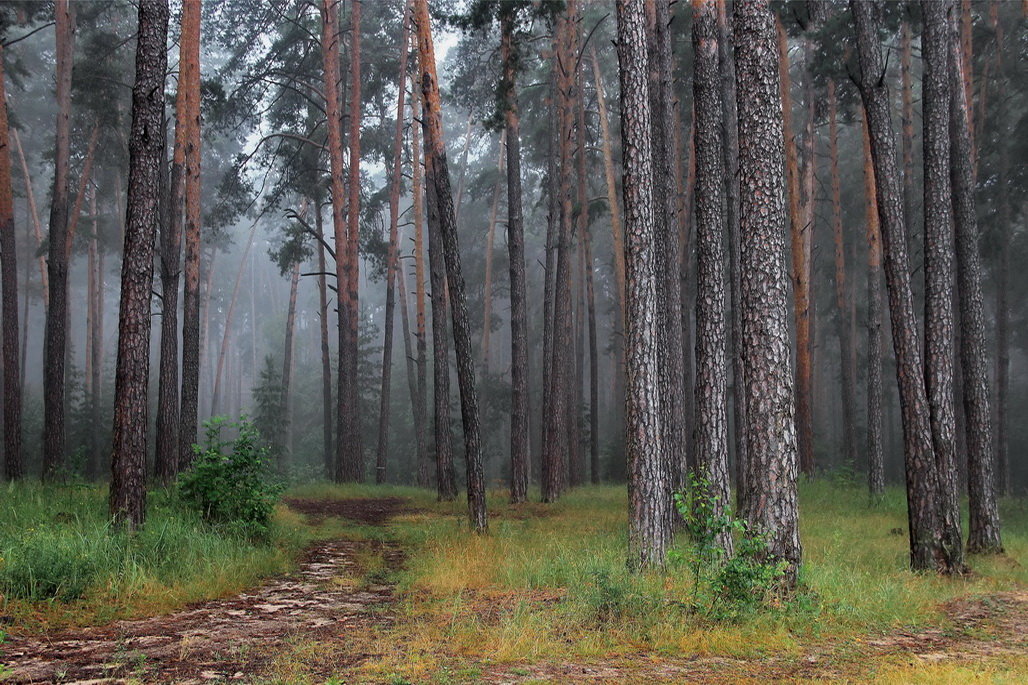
[(271, 417), (723, 588), (229, 481)]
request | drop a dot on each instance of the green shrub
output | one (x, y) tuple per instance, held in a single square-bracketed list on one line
[(722, 588), (229, 482)]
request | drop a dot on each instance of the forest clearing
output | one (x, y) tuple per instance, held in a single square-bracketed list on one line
[(513, 341), (390, 589)]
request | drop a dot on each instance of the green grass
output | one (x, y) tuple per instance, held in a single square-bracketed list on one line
[(62, 564), (550, 582)]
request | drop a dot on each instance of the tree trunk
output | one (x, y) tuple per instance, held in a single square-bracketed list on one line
[(711, 333), (649, 528), (13, 464), (520, 448), (439, 190), (94, 342), (328, 453), (56, 341), (926, 551), (287, 361), (875, 451), (167, 455), (939, 275), (984, 525), (770, 505), (421, 406), (559, 431), (227, 324), (487, 294), (731, 175), (349, 448), (907, 118), (34, 216), (330, 50), (189, 84), (618, 245), (590, 298), (843, 297), (799, 235), (669, 257), (146, 157), (1002, 369), (412, 378), (395, 182)]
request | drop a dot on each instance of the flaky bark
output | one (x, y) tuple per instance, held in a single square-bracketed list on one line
[(439, 189), (146, 153), (669, 257), (649, 528), (940, 275), (919, 457), (771, 502), (984, 525), (711, 329)]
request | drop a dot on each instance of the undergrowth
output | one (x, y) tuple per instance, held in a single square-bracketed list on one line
[(550, 582), (63, 564)]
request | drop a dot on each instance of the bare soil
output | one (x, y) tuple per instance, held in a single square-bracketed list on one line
[(230, 639)]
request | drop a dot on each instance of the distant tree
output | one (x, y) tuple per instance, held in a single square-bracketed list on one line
[(349, 447), (168, 455), (649, 520), (392, 266), (55, 346), (146, 156), (189, 118), (770, 504)]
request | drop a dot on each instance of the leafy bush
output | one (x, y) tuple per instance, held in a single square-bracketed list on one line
[(741, 582), (229, 482)]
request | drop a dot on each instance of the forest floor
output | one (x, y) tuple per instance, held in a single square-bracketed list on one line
[(399, 593), (233, 638)]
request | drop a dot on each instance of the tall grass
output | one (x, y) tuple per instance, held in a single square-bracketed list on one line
[(551, 582), (61, 562)]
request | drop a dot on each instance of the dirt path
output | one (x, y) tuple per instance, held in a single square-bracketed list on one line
[(228, 639)]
